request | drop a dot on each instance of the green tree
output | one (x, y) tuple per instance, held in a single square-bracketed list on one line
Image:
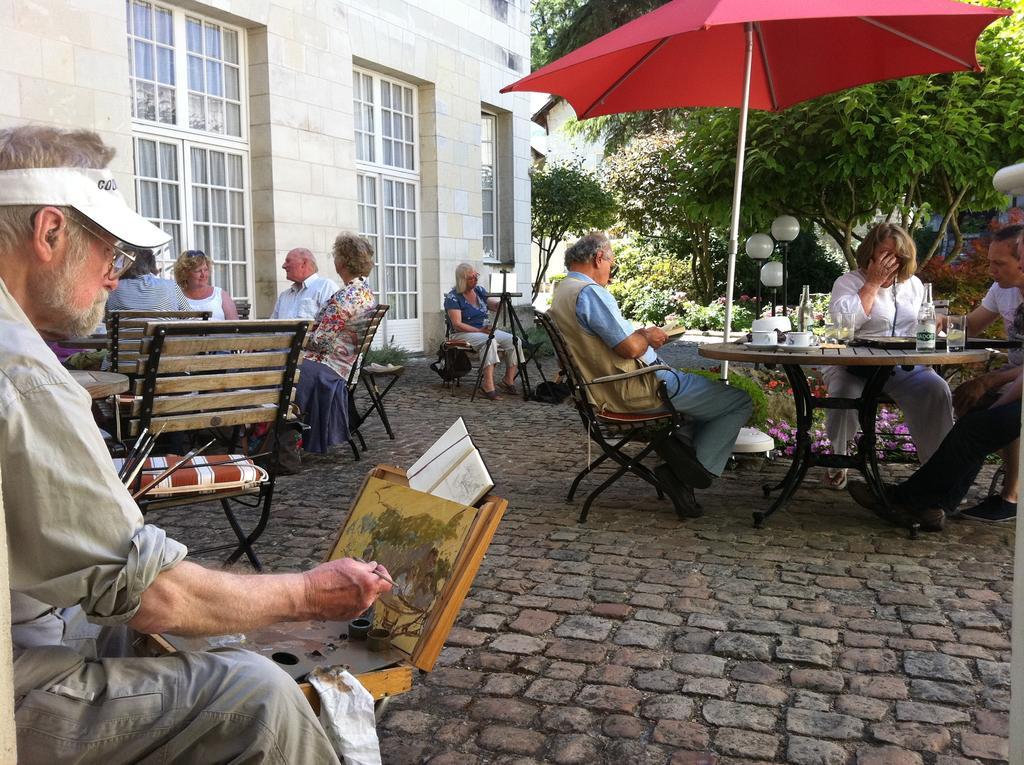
[(548, 21), (658, 189), (565, 199), (562, 26)]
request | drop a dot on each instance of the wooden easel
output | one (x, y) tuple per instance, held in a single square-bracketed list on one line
[(392, 680)]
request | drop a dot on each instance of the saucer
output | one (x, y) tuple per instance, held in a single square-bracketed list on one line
[(799, 348), (761, 346)]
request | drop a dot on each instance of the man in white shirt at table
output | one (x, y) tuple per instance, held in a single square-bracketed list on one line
[(309, 291), (1002, 301)]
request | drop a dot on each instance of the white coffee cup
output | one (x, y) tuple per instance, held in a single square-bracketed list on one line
[(798, 339), (763, 338)]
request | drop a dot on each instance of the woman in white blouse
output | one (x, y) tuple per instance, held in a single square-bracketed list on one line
[(192, 273), (884, 296)]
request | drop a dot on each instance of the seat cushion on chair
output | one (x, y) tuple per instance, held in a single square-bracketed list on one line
[(627, 418), (217, 472)]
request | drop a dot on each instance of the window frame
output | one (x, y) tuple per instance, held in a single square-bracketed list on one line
[(377, 164), (381, 173), (495, 235), (186, 138), (179, 26)]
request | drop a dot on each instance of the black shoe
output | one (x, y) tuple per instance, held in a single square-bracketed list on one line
[(680, 494), (684, 463), (992, 509), (929, 519)]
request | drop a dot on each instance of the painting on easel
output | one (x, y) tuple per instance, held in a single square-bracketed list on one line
[(423, 541)]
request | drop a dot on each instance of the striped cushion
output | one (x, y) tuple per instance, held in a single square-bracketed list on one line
[(216, 472)]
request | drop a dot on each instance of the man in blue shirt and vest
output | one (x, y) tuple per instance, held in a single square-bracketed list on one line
[(605, 344)]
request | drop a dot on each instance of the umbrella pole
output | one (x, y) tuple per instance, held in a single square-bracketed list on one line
[(737, 194)]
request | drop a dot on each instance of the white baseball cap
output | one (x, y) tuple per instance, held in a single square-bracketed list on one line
[(92, 193)]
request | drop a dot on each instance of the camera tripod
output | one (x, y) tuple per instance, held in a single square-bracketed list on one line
[(515, 328)]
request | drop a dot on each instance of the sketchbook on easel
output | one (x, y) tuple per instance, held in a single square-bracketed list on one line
[(452, 468)]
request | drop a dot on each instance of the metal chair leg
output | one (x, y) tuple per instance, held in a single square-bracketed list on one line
[(244, 541)]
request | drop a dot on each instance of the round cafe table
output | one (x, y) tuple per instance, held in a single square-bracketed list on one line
[(864, 459), (100, 384)]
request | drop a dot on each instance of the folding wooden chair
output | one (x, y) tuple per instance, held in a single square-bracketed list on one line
[(362, 371), (127, 328), (195, 375), (612, 431)]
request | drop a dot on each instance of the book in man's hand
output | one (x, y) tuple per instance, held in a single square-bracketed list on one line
[(673, 330), (452, 468)]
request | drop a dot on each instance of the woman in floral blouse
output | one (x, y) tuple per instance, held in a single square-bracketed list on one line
[(333, 345)]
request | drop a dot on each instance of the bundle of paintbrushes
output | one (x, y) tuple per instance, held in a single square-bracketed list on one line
[(137, 456)]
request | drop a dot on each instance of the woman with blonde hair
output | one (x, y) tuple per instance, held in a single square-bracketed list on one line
[(884, 296), (192, 273), (467, 305), (332, 347)]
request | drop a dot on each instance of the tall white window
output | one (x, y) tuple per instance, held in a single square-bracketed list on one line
[(387, 188), (191, 147), (489, 185)]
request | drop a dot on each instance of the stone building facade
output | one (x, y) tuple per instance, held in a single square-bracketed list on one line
[(249, 127)]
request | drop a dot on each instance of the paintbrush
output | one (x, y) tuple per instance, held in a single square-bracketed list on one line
[(140, 461), (396, 589), (130, 456)]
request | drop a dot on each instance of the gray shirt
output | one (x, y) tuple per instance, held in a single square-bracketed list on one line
[(75, 536)]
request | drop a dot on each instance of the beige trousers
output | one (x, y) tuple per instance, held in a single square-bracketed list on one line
[(222, 706), (502, 342)]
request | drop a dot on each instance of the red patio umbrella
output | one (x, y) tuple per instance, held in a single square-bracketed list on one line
[(765, 54)]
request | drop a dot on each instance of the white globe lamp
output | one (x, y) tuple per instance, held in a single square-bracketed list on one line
[(760, 246), (771, 276)]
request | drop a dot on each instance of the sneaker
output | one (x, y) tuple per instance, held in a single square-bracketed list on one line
[(929, 519), (993, 509), (680, 494)]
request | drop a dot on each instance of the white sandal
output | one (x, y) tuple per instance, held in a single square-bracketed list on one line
[(836, 479)]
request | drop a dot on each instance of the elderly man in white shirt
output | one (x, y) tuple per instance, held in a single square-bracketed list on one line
[(309, 291), (884, 296)]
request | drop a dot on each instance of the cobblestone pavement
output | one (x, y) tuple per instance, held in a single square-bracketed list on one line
[(827, 637)]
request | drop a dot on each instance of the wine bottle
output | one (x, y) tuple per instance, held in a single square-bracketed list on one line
[(926, 322)]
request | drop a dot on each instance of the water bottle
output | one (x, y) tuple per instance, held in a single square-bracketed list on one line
[(926, 322)]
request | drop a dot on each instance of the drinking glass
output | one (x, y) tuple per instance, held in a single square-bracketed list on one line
[(846, 323), (956, 332)]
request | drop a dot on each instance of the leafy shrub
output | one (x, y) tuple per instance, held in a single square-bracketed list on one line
[(388, 354), (647, 286), (693, 315), (738, 380), (537, 336)]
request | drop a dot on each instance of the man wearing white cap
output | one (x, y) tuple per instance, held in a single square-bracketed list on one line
[(309, 291), (78, 545)]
